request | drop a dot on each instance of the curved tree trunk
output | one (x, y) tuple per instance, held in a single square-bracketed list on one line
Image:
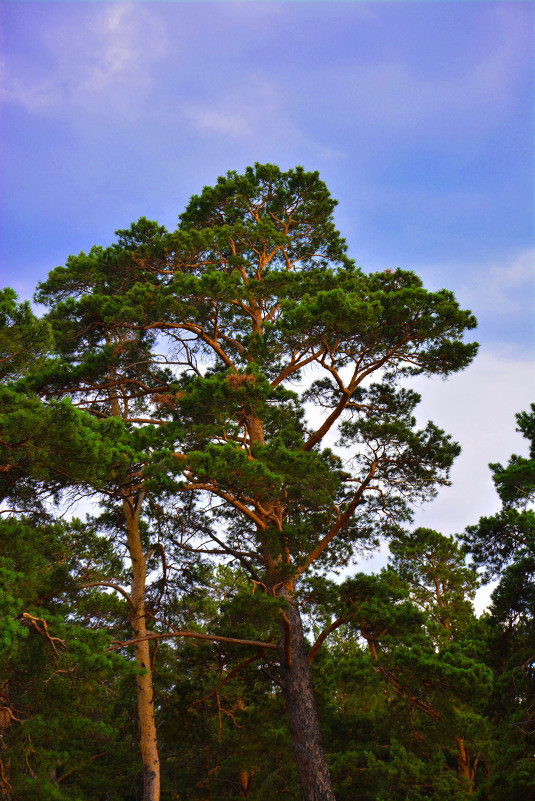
[(309, 754)]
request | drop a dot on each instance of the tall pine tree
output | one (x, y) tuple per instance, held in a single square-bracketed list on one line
[(256, 285)]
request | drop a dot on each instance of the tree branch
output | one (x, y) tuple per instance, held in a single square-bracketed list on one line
[(227, 678), (339, 524), (115, 587), (323, 636), (196, 635)]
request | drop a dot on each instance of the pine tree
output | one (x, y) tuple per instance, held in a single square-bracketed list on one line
[(255, 284), (195, 342), (504, 545), (113, 373)]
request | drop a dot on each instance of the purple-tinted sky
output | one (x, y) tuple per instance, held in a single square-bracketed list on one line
[(419, 117)]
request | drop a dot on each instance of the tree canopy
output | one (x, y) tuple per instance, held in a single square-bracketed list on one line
[(234, 398)]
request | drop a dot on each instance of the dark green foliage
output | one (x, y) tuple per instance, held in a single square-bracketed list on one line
[(504, 545), (508, 535), (45, 446), (63, 698), (439, 581)]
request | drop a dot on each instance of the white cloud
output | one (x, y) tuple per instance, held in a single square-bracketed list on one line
[(248, 110), (233, 124), (505, 286), (477, 407), (104, 61), (256, 113)]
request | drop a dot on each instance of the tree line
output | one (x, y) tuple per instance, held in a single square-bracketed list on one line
[(232, 402)]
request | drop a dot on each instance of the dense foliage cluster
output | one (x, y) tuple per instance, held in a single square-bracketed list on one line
[(232, 402)]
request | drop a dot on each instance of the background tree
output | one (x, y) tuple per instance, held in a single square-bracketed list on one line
[(54, 675), (509, 535), (64, 702), (504, 544), (439, 580), (443, 586), (43, 447)]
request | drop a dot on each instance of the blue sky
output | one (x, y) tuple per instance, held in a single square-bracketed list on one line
[(419, 117)]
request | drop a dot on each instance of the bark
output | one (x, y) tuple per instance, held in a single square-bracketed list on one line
[(463, 764), (314, 777), (145, 696), (244, 782)]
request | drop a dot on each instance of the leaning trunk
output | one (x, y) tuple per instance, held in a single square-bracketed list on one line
[(314, 777), (145, 696)]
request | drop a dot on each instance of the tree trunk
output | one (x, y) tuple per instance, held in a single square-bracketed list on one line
[(314, 777), (463, 764), (145, 696), (244, 782)]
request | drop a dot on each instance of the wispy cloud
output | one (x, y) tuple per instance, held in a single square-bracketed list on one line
[(505, 287), (257, 112), (104, 60)]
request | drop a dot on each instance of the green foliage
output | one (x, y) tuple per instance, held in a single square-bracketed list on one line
[(439, 581), (504, 545), (63, 697), (508, 535)]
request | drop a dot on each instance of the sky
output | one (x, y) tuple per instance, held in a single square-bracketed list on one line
[(419, 117)]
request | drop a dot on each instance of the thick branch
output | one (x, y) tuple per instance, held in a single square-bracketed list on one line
[(323, 429), (323, 636)]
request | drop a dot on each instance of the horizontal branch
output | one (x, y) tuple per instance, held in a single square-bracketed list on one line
[(196, 636)]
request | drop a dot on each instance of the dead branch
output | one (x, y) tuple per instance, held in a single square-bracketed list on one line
[(34, 621)]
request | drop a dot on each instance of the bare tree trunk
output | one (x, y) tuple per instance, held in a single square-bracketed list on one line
[(314, 777), (145, 696)]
